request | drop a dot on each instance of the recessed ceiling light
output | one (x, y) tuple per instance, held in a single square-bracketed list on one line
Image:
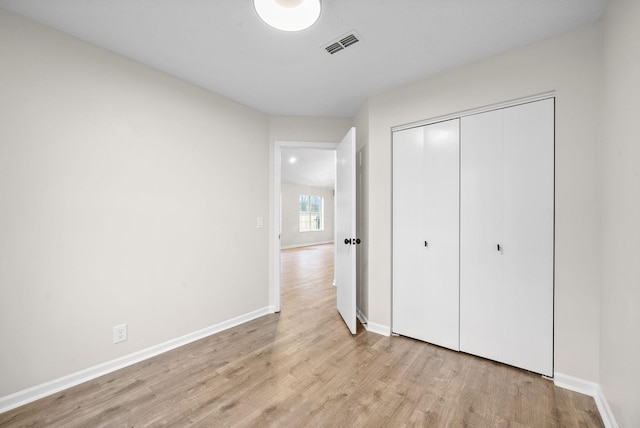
[(292, 159), (288, 15)]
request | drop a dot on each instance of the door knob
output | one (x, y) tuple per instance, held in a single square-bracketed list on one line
[(357, 241)]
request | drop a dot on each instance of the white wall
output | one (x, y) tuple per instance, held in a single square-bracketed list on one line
[(290, 235), (620, 295), (116, 206), (361, 122), (570, 65), (309, 129)]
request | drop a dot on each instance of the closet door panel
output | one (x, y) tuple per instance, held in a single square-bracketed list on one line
[(482, 309), (408, 251), (441, 233), (528, 236)]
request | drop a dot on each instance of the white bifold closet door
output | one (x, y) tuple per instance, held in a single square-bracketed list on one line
[(426, 233), (506, 235)]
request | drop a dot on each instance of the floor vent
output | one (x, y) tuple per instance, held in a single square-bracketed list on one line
[(342, 42)]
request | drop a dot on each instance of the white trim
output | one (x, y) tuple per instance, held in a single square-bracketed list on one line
[(588, 388), (33, 393), (574, 384), (383, 330), (490, 107), (277, 184), (363, 319), (311, 244), (605, 411)]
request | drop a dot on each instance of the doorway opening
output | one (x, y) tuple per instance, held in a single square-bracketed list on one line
[(304, 208), (307, 289)]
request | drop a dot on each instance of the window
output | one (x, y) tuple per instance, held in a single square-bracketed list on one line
[(311, 213)]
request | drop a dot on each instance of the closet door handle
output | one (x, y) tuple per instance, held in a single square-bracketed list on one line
[(347, 241), (426, 244), (498, 247)]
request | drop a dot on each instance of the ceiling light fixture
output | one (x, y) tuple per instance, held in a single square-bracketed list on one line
[(288, 15)]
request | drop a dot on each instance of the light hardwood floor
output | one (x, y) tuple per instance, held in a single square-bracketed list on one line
[(303, 368)]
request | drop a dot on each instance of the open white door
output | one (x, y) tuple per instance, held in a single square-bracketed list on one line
[(345, 224)]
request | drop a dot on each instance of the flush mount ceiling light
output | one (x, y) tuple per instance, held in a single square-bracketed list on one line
[(288, 15)]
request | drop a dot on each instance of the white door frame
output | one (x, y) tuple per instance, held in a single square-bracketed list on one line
[(277, 215)]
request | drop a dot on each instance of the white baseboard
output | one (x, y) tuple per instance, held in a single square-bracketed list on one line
[(34, 393), (363, 319), (383, 330), (588, 388), (372, 327), (310, 244)]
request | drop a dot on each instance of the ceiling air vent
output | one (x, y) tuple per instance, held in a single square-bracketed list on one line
[(334, 47), (349, 40), (342, 42)]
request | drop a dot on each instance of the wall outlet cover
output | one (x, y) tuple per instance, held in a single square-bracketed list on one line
[(119, 333)]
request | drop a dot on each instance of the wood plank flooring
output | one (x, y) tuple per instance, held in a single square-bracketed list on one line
[(303, 368)]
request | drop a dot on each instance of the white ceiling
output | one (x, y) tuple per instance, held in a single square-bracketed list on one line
[(222, 46), (312, 167)]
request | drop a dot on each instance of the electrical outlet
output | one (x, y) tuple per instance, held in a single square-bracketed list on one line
[(119, 333)]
